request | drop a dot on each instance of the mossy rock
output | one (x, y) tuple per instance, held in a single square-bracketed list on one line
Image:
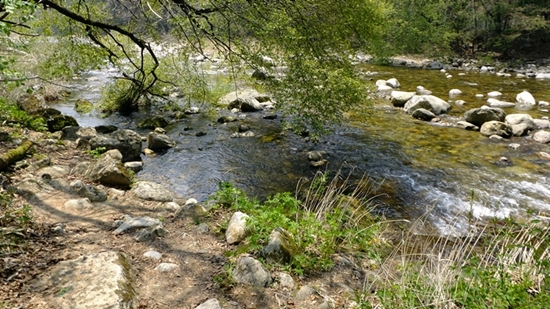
[(83, 106), (153, 122), (58, 122)]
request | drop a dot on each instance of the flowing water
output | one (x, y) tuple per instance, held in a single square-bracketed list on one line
[(449, 172)]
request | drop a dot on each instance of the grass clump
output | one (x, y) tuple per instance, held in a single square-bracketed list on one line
[(503, 264), (324, 223), (12, 115)]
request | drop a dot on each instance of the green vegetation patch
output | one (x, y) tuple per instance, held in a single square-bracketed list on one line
[(12, 115)]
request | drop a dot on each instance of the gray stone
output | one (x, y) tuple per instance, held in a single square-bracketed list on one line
[(32, 103), (56, 171), (203, 228), (150, 233), (210, 304), (280, 247), (393, 82), (541, 123), (251, 271), (244, 134), (232, 96), (423, 114), (128, 142), (236, 230), (151, 191), (171, 206), (79, 204), (134, 223), (492, 102), (134, 166), (74, 133), (454, 92), (109, 171), (88, 191), (226, 119), (102, 280), (420, 90), (157, 141), (153, 255), (494, 94), (399, 98), (521, 123), (525, 98), (429, 102), (166, 267), (316, 155), (478, 116), (247, 104), (305, 293), (285, 280), (498, 128), (542, 137), (153, 122), (514, 146), (467, 126)]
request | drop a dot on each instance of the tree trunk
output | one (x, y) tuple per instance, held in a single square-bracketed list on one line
[(14, 155)]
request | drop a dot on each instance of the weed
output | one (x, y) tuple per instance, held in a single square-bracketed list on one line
[(96, 153)]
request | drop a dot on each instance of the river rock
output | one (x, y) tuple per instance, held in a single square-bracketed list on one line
[(316, 155), (492, 102), (384, 90), (153, 122), (467, 126), (420, 90), (156, 141), (285, 280), (108, 170), (229, 98), (280, 248), (32, 103), (58, 122), (226, 119), (102, 280), (494, 94), (454, 92), (151, 191), (423, 114), (542, 137), (153, 255), (399, 98), (166, 267), (128, 223), (88, 191), (429, 102), (79, 204), (127, 142), (521, 123), (541, 123), (73, 133), (525, 98), (236, 230), (83, 106), (105, 129), (498, 128), (251, 271), (212, 303), (393, 82), (478, 116), (543, 76)]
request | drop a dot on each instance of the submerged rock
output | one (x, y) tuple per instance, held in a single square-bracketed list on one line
[(498, 128)]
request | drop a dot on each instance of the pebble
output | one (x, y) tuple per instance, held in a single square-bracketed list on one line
[(166, 267), (153, 255)]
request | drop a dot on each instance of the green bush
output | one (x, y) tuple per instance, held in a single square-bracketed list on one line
[(317, 236), (12, 115)]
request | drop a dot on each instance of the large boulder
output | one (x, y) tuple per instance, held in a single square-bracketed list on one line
[(157, 141), (521, 123), (236, 230), (109, 170), (58, 122), (102, 280), (251, 271), (281, 247), (32, 103), (526, 99), (429, 102), (479, 116), (231, 97), (153, 122), (491, 128), (542, 137), (399, 98), (250, 104), (127, 142), (151, 191)]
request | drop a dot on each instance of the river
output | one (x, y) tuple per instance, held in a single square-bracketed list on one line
[(433, 169)]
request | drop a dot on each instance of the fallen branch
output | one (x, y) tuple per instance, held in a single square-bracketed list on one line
[(14, 155)]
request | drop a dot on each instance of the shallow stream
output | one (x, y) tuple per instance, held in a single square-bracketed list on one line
[(423, 166)]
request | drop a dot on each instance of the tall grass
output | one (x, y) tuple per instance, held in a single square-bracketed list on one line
[(500, 264)]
